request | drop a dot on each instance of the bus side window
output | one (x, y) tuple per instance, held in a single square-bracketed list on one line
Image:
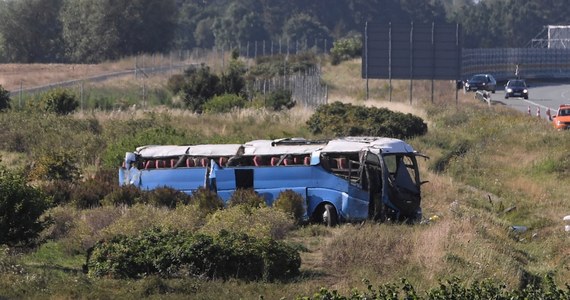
[(223, 161), (190, 162), (307, 160), (288, 161)]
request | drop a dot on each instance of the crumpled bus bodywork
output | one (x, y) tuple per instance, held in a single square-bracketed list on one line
[(342, 180)]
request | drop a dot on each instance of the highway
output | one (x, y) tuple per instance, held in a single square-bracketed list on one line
[(541, 95)]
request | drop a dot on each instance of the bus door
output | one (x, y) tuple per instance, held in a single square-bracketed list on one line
[(372, 182)]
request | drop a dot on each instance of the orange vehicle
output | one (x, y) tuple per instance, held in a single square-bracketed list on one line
[(562, 118)]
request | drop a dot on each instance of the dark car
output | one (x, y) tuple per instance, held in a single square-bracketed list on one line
[(481, 82), (516, 88)]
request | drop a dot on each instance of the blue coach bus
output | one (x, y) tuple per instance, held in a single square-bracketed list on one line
[(342, 180)]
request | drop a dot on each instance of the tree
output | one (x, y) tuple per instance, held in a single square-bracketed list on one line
[(201, 85), (97, 30), (31, 31), (4, 99), (21, 207), (241, 23), (302, 28)]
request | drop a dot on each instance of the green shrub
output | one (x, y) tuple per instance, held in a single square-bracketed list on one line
[(123, 195), (246, 198), (55, 166), (279, 100), (291, 203), (175, 83), (4, 99), (59, 190), (21, 207), (224, 103), (90, 193), (200, 85), (59, 101), (181, 253), (206, 201), (166, 197), (260, 222), (339, 119), (346, 48)]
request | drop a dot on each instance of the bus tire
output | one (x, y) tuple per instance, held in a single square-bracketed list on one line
[(329, 216)]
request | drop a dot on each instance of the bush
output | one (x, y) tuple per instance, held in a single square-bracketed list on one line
[(55, 166), (200, 86), (247, 198), (59, 101), (279, 100), (90, 193), (291, 203), (339, 119), (166, 197), (181, 253), (206, 201), (224, 103), (21, 207), (345, 49), (176, 83), (4, 99), (59, 190), (124, 195)]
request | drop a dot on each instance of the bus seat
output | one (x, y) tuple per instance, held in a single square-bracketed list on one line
[(341, 163), (150, 164), (288, 161), (160, 163), (190, 162), (307, 160), (257, 161), (274, 160), (204, 162), (173, 162), (223, 161)]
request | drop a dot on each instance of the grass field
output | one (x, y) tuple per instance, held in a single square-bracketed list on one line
[(490, 169)]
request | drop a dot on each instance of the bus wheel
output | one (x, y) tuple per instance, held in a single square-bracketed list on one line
[(330, 217)]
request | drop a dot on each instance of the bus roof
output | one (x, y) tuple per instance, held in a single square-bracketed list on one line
[(374, 144), (192, 150), (274, 147), (296, 146)]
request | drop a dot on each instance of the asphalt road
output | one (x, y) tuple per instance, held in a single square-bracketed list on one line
[(542, 96)]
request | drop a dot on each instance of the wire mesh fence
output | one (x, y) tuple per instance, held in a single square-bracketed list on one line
[(95, 92), (506, 63)]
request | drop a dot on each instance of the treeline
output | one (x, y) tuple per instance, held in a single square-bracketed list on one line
[(85, 31)]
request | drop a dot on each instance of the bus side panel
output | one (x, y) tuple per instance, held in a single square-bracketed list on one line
[(282, 177), (268, 181), (349, 208), (225, 183), (182, 179)]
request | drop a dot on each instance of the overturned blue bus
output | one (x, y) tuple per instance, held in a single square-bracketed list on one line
[(342, 180)]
